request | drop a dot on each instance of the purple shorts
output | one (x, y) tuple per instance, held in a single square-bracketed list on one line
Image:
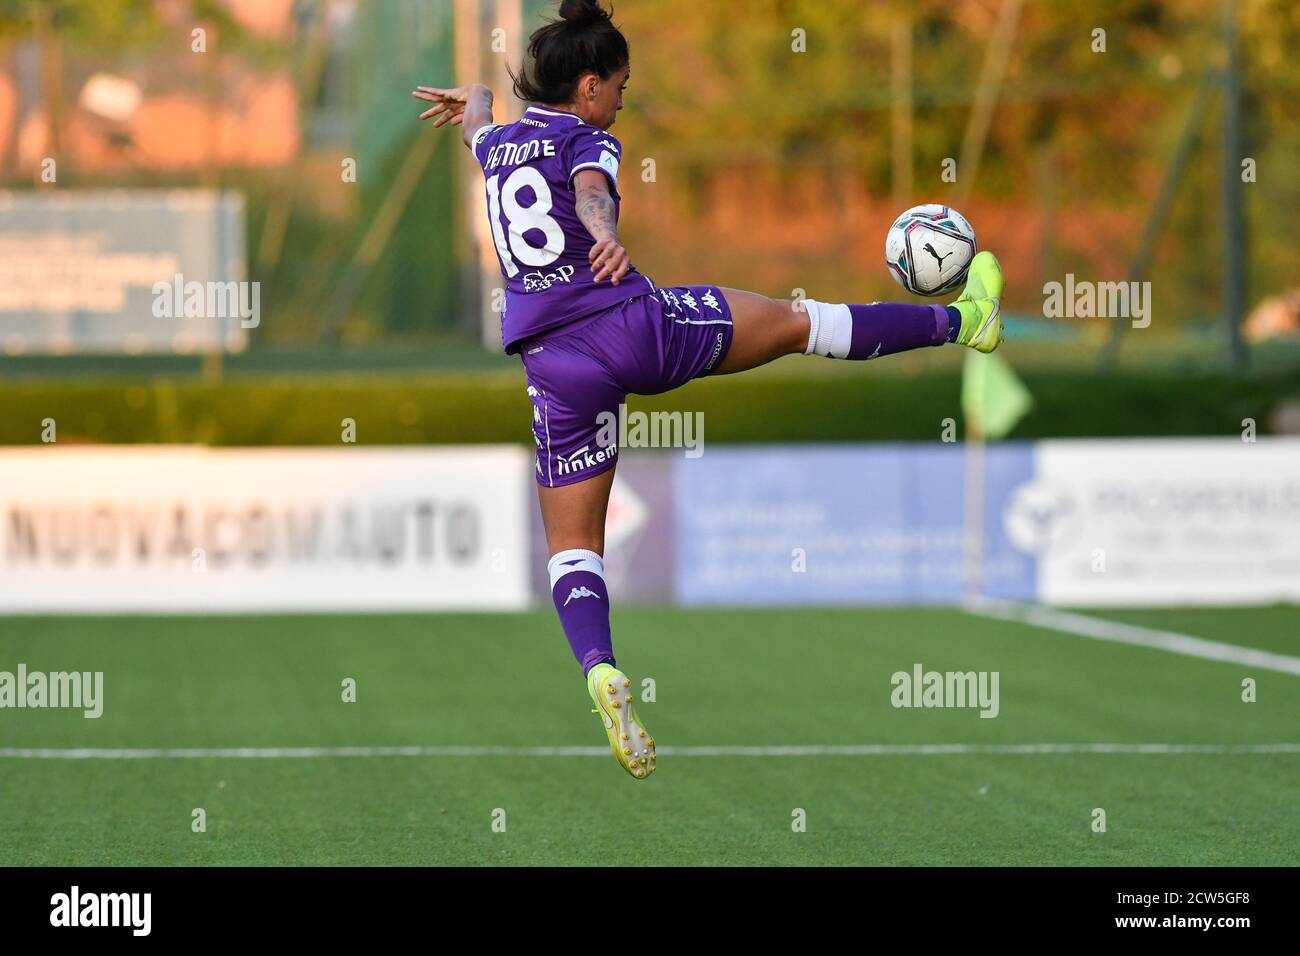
[(578, 375)]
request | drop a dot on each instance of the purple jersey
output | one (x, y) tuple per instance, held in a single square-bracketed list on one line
[(541, 243)]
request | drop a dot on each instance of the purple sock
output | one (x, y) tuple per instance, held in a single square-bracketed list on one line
[(885, 328), (870, 331), (954, 322), (582, 601)]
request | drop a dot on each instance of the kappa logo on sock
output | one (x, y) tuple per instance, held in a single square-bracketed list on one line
[(581, 592)]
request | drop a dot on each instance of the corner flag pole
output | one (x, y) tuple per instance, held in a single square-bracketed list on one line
[(973, 487), (993, 400)]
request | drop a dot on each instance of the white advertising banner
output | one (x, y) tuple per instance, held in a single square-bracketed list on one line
[(1161, 521), (194, 529)]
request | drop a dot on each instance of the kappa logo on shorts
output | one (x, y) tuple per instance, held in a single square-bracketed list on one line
[(580, 592), (711, 301)]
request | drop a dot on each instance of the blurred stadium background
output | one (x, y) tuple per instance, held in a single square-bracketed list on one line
[(166, 482)]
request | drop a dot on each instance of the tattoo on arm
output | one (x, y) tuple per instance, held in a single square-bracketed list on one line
[(595, 207), (478, 113)]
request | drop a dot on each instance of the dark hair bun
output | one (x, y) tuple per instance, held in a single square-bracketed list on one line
[(582, 12), (583, 40)]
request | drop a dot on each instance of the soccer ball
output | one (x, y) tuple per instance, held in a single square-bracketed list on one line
[(929, 249)]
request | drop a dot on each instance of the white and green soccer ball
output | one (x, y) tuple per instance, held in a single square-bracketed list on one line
[(929, 249)]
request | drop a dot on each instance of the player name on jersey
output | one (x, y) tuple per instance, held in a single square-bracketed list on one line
[(512, 154)]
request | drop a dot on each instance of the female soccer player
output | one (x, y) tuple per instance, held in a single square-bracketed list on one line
[(591, 329)]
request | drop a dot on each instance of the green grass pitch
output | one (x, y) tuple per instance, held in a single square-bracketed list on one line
[(724, 678)]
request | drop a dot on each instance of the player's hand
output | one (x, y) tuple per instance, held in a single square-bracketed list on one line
[(449, 105), (609, 260)]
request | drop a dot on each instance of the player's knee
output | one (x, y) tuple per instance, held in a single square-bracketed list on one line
[(791, 322)]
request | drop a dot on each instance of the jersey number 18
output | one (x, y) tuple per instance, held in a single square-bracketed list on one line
[(522, 219)]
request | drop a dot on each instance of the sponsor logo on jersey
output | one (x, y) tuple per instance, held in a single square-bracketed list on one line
[(539, 282)]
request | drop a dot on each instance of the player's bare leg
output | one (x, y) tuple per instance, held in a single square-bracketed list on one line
[(765, 329), (574, 519), (574, 515)]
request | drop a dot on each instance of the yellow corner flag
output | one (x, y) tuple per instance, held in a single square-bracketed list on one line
[(993, 399)]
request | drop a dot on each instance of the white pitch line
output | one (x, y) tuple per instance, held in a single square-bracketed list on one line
[(810, 750), (1057, 620)]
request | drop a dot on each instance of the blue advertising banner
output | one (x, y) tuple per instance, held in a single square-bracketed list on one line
[(841, 524)]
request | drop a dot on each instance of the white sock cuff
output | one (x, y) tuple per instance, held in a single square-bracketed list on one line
[(575, 559), (810, 307), (832, 329)]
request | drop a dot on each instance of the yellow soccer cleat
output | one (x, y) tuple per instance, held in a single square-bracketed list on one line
[(980, 305), (633, 747)]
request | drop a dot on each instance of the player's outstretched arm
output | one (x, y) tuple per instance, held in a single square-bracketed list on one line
[(469, 107), (595, 208)]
